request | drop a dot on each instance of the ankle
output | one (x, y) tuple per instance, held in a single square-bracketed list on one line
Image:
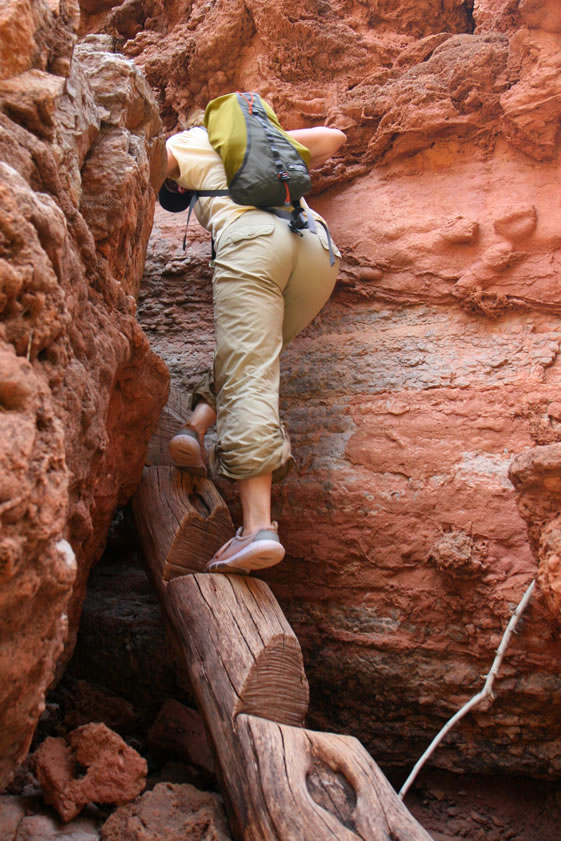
[(257, 525), (202, 417), (199, 428)]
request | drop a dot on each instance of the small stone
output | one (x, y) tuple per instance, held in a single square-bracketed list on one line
[(46, 828), (169, 812), (115, 772), (12, 810)]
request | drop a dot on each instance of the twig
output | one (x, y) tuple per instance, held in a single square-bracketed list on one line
[(486, 691)]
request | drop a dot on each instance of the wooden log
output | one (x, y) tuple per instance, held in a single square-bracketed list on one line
[(172, 418), (181, 521), (242, 654), (282, 783), (304, 785)]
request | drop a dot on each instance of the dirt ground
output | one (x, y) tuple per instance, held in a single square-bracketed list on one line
[(453, 808)]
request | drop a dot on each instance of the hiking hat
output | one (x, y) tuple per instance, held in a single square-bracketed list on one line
[(171, 199)]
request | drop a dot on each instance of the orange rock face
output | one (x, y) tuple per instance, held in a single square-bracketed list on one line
[(434, 364), (81, 153)]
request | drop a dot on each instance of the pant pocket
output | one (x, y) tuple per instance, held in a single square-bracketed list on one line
[(246, 230)]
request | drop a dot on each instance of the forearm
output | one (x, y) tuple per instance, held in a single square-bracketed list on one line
[(323, 142)]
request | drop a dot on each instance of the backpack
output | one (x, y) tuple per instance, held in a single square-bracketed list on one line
[(265, 167)]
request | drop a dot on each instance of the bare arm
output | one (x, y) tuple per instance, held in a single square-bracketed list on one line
[(322, 142)]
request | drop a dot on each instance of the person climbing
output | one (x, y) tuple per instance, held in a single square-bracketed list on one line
[(268, 284)]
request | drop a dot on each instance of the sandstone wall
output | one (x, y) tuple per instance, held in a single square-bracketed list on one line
[(435, 363), (81, 153)]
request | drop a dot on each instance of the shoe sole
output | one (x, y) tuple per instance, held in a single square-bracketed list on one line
[(186, 455), (259, 555)]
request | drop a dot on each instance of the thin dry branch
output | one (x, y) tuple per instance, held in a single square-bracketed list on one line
[(485, 692)]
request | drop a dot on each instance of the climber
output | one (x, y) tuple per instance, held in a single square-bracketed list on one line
[(268, 285)]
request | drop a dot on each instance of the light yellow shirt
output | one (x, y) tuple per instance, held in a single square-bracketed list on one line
[(201, 168)]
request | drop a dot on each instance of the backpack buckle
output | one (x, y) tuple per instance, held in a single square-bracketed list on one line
[(297, 224)]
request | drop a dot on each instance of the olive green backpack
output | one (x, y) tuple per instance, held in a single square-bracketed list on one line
[(265, 167)]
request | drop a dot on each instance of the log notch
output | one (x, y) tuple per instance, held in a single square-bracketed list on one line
[(181, 521), (172, 418)]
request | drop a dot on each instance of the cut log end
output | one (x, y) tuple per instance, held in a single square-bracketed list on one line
[(234, 626), (276, 687), (182, 521)]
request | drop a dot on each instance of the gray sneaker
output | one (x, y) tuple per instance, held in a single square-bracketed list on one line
[(246, 552)]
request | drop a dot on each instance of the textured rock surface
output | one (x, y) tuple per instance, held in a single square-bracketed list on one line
[(434, 364), (536, 475), (25, 819), (169, 813), (96, 765), (122, 643), (179, 731), (80, 155)]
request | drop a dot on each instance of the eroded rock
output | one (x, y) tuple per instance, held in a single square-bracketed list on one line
[(536, 476), (179, 731), (114, 772), (80, 388), (169, 813)]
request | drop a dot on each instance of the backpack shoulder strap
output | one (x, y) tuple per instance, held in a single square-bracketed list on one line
[(195, 196)]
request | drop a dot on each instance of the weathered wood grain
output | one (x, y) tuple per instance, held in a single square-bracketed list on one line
[(181, 521), (243, 653), (172, 418), (305, 785), (281, 782)]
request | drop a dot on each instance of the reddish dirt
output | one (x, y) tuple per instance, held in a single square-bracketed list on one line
[(454, 808)]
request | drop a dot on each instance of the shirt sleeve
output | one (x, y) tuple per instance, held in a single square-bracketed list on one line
[(195, 158)]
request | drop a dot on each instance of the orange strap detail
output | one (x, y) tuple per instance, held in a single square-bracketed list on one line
[(249, 101)]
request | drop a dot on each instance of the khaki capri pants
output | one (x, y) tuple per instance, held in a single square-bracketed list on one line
[(268, 285)]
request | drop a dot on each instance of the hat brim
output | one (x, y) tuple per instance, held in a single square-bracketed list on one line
[(172, 201)]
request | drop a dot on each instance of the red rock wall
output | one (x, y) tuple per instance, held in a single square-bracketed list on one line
[(81, 152), (434, 364)]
